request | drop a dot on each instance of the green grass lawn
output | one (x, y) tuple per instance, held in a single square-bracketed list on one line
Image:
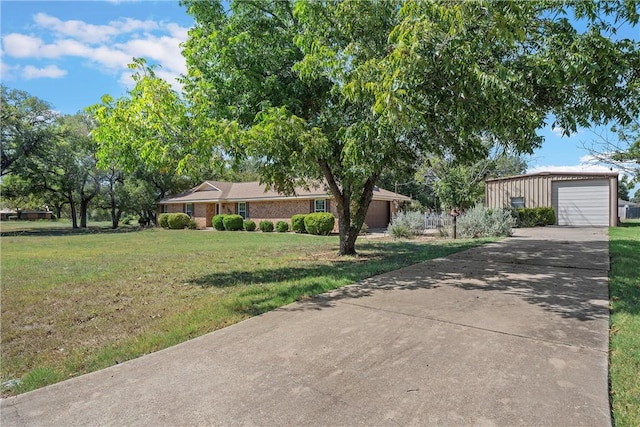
[(76, 302), (624, 282)]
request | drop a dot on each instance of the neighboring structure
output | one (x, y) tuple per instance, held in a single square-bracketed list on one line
[(253, 201), (628, 210), (24, 215), (578, 198)]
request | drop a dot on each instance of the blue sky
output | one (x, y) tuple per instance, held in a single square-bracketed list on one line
[(70, 53)]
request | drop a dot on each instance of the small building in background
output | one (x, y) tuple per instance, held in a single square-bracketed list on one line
[(578, 198), (24, 215)]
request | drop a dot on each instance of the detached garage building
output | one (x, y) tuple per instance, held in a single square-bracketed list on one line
[(578, 199)]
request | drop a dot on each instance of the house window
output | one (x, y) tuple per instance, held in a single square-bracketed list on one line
[(517, 202), (242, 210), (165, 209), (320, 205), (188, 209)]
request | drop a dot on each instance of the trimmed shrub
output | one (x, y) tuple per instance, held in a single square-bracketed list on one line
[(534, 217), (484, 222), (407, 224), (546, 216), (192, 225), (266, 226), (163, 220), (233, 222), (218, 222), (282, 226), (297, 223), (319, 223), (249, 225), (178, 221)]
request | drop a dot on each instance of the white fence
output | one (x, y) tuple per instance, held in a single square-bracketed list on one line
[(434, 220)]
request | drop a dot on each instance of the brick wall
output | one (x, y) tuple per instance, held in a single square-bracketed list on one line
[(175, 208), (200, 215)]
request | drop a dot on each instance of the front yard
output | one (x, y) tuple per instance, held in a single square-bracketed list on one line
[(73, 303)]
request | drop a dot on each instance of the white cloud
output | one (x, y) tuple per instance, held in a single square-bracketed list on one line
[(91, 33), (75, 29), (51, 71), (558, 131), (7, 72), (21, 46), (163, 50), (108, 47)]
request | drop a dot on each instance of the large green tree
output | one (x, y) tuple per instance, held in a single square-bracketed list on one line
[(148, 136), (461, 185), (27, 126), (341, 91)]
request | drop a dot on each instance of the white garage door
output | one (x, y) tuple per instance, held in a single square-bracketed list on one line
[(582, 202)]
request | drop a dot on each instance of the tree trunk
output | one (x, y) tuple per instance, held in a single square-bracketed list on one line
[(72, 207), (115, 217), (348, 243), (84, 206), (85, 199), (115, 212), (58, 209), (349, 225)]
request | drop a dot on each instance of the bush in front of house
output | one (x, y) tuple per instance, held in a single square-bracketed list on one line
[(249, 225), (192, 224), (480, 221), (534, 217), (163, 220), (266, 226), (406, 224), (297, 223), (319, 223), (232, 222), (399, 231), (282, 226), (178, 221), (218, 222)]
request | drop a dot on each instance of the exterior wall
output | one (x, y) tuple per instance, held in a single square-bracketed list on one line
[(537, 190), (378, 216), (200, 215), (278, 210), (175, 208)]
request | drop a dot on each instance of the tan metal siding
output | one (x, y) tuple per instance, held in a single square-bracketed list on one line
[(537, 190)]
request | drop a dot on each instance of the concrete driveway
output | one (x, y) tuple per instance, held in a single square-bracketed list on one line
[(512, 333)]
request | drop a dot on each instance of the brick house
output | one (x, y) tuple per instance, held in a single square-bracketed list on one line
[(254, 201)]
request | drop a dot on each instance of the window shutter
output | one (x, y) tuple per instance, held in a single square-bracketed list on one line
[(312, 206), (246, 209), (327, 206)]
